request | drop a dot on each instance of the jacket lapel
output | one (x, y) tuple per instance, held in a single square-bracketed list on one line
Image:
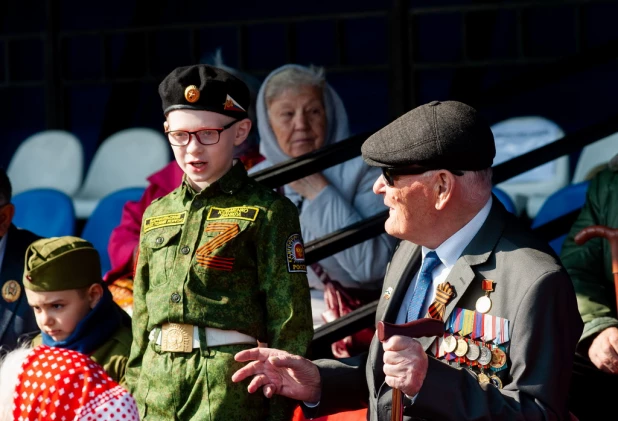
[(476, 253), (11, 270), (404, 265), (401, 268)]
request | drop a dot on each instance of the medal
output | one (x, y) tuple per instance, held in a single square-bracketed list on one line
[(473, 351), (483, 378), (462, 347), (495, 380), (485, 355), (483, 304), (11, 291), (449, 344), (498, 358)]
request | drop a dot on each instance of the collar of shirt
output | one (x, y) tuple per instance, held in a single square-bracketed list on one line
[(229, 183), (3, 248), (448, 252)]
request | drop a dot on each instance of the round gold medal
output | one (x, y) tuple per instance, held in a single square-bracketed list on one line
[(473, 351), (495, 380), (462, 347), (483, 304), (483, 378), (11, 291), (449, 344), (485, 357), (498, 358)]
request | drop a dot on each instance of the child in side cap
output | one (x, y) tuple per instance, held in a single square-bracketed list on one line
[(73, 309), (220, 265)]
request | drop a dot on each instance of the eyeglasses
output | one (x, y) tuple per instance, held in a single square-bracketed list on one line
[(389, 173), (205, 136)]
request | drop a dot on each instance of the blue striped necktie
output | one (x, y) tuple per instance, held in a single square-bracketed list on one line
[(422, 285)]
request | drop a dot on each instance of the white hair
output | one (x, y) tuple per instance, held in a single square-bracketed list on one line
[(9, 372), (476, 185), (293, 78)]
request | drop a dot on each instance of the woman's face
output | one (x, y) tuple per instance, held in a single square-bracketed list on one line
[(298, 120)]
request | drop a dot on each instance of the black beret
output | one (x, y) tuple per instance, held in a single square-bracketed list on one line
[(449, 135), (206, 88)]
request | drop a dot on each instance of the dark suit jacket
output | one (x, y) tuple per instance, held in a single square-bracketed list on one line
[(532, 291), (16, 318)]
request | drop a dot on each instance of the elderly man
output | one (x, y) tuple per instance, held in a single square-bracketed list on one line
[(509, 310)]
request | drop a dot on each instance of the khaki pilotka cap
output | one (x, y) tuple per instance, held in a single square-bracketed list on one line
[(439, 135), (61, 263)]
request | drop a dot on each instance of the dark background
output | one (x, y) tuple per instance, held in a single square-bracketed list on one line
[(93, 67)]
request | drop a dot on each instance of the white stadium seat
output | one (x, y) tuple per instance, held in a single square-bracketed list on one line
[(125, 159), (52, 159)]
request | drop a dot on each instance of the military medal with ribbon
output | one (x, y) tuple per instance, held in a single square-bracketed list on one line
[(483, 304)]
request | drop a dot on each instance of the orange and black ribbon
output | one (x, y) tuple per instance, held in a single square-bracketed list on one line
[(444, 292)]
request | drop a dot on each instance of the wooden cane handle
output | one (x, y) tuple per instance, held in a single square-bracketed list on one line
[(611, 235), (414, 329)]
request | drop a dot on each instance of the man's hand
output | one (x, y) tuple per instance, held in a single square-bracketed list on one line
[(603, 351), (310, 186), (281, 373), (405, 364)]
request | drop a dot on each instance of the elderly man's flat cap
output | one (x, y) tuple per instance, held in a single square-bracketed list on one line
[(449, 135), (206, 88), (61, 263)]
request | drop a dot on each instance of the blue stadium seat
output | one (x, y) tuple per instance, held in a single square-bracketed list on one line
[(46, 212), (105, 217), (505, 199), (563, 201)]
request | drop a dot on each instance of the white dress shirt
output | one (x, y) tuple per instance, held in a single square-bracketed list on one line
[(448, 253)]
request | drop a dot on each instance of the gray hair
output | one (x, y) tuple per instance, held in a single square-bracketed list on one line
[(293, 78), (476, 185)]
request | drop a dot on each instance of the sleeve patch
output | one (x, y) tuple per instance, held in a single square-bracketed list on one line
[(164, 221), (248, 213), (295, 254)]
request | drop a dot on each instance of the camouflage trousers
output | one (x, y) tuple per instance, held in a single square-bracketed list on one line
[(196, 386)]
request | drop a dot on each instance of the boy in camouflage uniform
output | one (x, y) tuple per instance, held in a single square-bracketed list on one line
[(220, 266), (74, 310)]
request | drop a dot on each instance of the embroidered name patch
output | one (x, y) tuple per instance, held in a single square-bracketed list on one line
[(164, 221), (248, 213), (295, 253)]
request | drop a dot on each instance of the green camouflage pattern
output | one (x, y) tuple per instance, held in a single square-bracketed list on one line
[(217, 258)]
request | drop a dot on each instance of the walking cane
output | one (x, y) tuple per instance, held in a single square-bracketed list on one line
[(611, 234), (414, 329)]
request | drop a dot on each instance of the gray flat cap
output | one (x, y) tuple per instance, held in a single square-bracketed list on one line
[(449, 135)]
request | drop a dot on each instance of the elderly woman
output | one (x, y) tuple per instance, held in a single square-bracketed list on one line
[(297, 113)]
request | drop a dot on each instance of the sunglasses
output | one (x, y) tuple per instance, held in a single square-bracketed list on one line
[(390, 173)]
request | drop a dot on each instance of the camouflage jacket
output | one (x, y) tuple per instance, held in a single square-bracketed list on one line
[(229, 257)]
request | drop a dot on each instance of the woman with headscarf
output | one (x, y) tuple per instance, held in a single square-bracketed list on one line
[(299, 112)]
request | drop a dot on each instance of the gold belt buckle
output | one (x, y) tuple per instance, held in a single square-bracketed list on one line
[(176, 337)]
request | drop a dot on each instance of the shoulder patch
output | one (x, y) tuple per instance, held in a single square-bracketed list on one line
[(295, 254), (164, 221), (248, 213)]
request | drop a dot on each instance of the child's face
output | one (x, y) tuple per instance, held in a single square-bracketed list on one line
[(58, 312), (205, 164)]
